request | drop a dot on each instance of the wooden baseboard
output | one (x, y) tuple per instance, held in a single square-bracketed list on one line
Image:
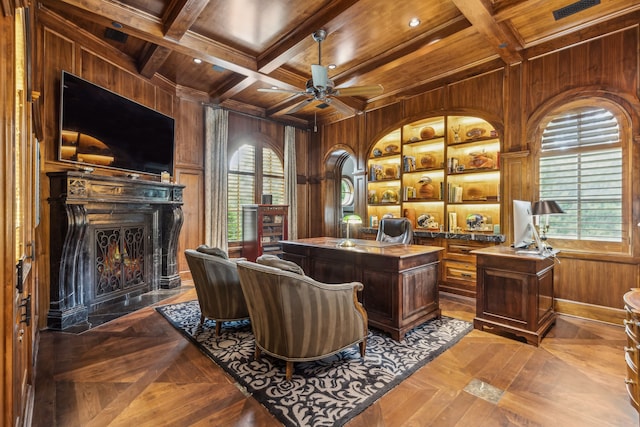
[(590, 311)]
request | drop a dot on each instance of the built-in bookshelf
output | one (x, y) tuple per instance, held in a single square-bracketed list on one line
[(443, 173)]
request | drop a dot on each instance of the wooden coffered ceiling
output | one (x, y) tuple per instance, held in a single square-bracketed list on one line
[(250, 44)]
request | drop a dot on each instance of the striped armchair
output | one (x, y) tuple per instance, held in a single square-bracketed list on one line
[(296, 319), (217, 286)]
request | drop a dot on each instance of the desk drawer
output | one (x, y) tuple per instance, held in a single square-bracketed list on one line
[(459, 271), (460, 250)]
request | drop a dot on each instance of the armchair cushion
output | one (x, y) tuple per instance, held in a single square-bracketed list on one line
[(212, 251), (274, 261)]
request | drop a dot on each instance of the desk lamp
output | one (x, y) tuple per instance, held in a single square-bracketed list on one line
[(350, 219), (545, 208)]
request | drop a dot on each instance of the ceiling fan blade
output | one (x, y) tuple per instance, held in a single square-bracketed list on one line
[(370, 90), (319, 75), (271, 90), (342, 108), (300, 106)]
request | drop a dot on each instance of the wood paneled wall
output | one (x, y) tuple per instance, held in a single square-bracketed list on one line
[(514, 99), (62, 46)]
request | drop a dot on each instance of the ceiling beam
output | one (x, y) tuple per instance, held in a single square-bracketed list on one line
[(290, 45), (406, 50), (152, 58), (151, 29), (230, 87), (180, 16), (500, 36)]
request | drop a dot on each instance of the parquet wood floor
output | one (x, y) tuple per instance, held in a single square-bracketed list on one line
[(139, 371)]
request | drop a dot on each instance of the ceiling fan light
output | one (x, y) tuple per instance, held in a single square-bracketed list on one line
[(319, 75)]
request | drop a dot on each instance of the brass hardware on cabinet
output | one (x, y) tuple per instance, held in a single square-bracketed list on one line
[(466, 275)]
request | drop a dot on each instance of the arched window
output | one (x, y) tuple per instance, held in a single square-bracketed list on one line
[(252, 173), (346, 191), (583, 167)]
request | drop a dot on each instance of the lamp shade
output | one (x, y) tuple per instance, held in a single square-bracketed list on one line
[(546, 207), (352, 219)]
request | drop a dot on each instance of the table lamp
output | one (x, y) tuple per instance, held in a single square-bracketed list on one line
[(350, 219), (545, 208)]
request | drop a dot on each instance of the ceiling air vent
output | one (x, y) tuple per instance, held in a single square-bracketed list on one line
[(116, 35), (574, 8)]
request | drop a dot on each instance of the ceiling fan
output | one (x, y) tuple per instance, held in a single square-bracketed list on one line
[(321, 88)]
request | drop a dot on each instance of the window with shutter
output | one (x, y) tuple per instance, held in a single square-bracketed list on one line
[(247, 182), (582, 168)]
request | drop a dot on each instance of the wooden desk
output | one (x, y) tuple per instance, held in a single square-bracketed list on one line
[(514, 292), (400, 281)]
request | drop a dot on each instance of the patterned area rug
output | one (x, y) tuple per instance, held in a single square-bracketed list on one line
[(327, 392)]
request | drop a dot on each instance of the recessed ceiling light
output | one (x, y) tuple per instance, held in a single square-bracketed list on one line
[(332, 66), (116, 24), (414, 22), (197, 60)]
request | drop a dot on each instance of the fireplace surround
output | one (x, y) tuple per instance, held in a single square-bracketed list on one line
[(111, 239)]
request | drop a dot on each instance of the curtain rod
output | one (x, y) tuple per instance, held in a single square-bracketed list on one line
[(218, 107)]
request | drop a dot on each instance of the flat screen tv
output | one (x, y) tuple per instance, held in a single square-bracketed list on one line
[(101, 128)]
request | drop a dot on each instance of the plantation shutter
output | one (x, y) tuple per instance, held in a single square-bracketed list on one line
[(241, 184), (272, 176), (581, 168)]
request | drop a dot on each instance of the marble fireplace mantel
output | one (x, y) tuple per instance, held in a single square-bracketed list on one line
[(111, 238)]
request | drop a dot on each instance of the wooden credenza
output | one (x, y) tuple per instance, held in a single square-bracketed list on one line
[(514, 293), (400, 281), (632, 349)]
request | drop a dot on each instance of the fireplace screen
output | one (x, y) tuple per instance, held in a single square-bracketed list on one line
[(120, 254)]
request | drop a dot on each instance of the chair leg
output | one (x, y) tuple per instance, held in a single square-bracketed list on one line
[(201, 319), (289, 371), (218, 327), (256, 354), (363, 347)]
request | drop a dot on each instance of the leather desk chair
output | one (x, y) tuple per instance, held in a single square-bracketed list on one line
[(398, 230)]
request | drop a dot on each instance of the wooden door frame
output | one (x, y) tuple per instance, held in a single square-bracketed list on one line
[(334, 162)]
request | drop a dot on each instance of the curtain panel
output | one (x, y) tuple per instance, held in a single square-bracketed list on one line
[(215, 176), (291, 180)]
